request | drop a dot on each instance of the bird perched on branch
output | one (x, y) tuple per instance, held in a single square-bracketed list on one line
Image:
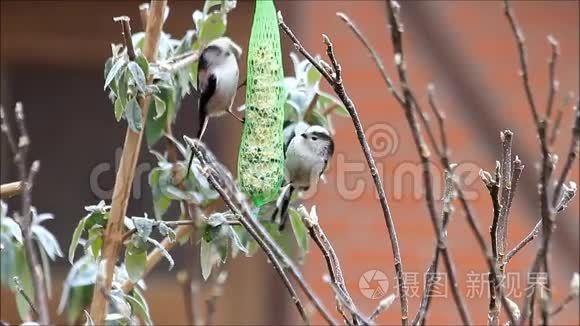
[(307, 156), (217, 82)]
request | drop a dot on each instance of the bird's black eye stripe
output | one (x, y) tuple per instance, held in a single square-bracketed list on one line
[(321, 135)]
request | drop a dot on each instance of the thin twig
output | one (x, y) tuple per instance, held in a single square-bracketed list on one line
[(155, 256), (382, 306), (180, 62), (126, 171), (493, 185), (531, 236), (9, 190), (570, 158), (411, 106), (235, 200), (332, 262), (310, 109), (343, 301), (21, 291), (126, 32), (506, 191), (553, 83), (440, 116), (559, 116), (266, 247), (334, 78), (569, 298), (523, 58), (24, 219), (374, 55)]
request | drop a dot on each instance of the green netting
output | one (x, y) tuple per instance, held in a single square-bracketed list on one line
[(261, 156)]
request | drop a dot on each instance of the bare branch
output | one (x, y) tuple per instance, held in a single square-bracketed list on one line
[(531, 236), (553, 83), (410, 105), (235, 200), (374, 55), (505, 181), (523, 58), (382, 306), (126, 32), (440, 120), (344, 302), (24, 219), (126, 170), (335, 80), (11, 189), (569, 298), (570, 158), (332, 262), (7, 131), (559, 115)]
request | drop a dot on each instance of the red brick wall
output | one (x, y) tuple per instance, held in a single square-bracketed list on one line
[(481, 38)]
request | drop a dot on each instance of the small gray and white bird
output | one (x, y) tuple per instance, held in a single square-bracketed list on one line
[(307, 156), (217, 82)]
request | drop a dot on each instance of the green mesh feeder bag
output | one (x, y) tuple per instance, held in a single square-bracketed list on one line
[(261, 156)]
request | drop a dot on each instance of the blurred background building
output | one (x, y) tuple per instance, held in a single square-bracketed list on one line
[(52, 56)]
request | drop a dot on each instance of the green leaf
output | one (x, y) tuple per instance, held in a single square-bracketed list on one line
[(75, 239), (119, 108), (12, 227), (216, 219), (138, 76), (160, 202), (186, 42), (134, 117), (326, 100), (101, 207), (74, 300), (166, 231), (46, 272), (47, 241), (120, 63), (22, 271), (123, 87), (143, 309), (143, 63), (300, 230), (159, 107), (135, 261), (144, 226), (193, 75), (313, 76), (207, 258), (155, 128), (83, 272), (163, 251), (95, 241), (236, 241), (140, 309), (213, 26)]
